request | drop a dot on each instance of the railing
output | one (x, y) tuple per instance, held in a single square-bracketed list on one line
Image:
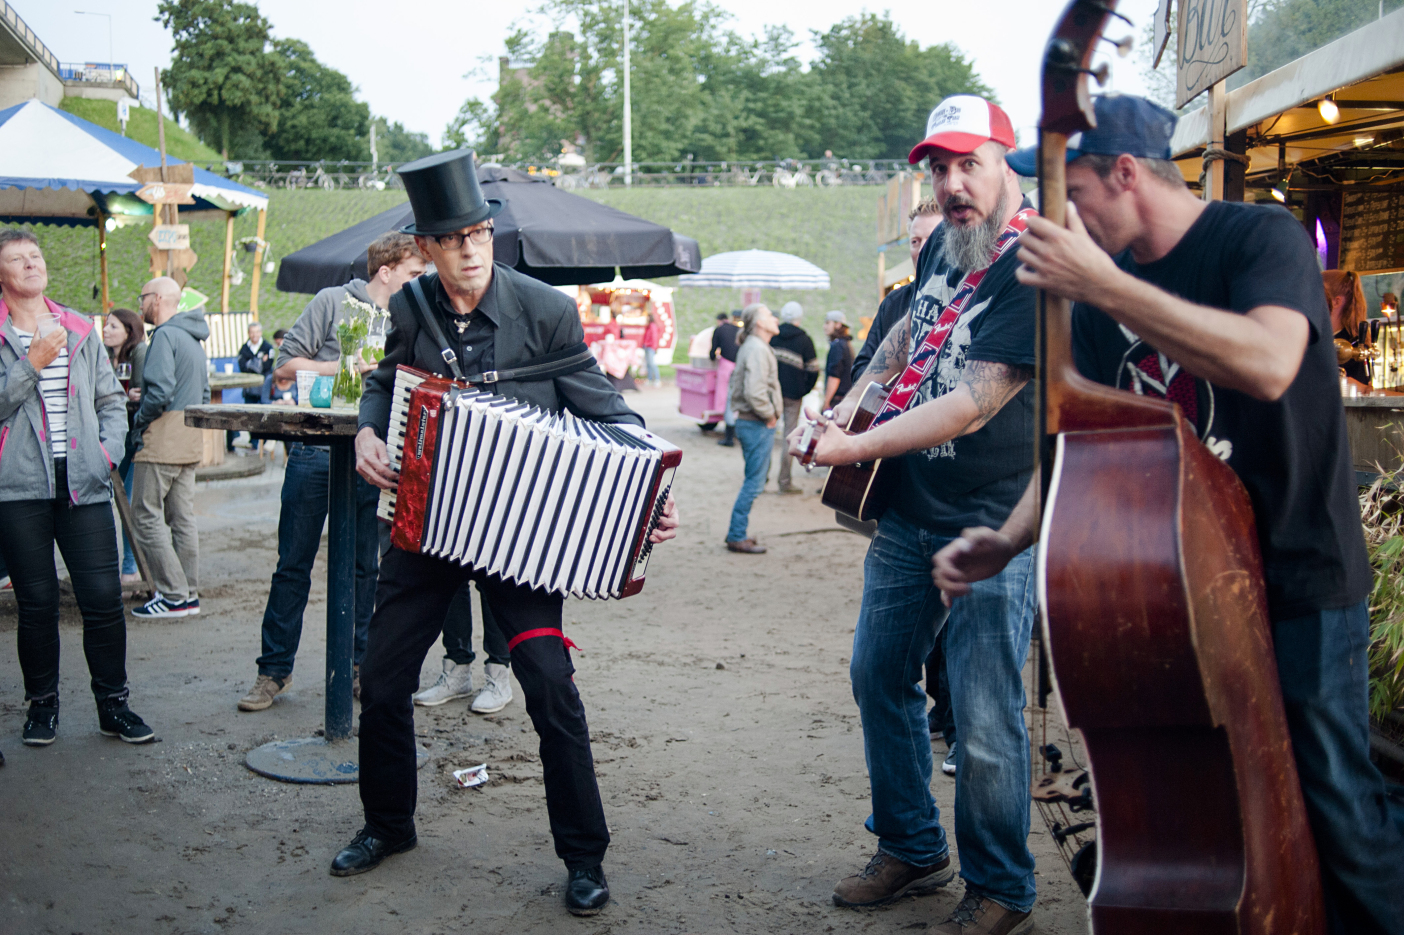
[(783, 173), (32, 43), (99, 73)]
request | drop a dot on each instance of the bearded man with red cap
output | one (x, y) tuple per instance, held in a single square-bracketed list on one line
[(963, 447)]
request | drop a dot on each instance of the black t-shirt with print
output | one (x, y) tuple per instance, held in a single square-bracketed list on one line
[(976, 479), (1291, 454)]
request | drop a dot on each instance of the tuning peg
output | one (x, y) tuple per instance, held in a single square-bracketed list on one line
[(1102, 73), (1123, 45)]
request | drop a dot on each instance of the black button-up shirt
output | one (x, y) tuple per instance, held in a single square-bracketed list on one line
[(474, 344)]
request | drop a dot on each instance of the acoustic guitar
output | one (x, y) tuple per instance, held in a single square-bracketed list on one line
[(857, 493)]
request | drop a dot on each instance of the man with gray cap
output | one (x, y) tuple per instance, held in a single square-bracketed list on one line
[(475, 316), (798, 365)]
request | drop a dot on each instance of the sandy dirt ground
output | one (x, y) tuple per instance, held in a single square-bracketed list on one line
[(726, 737)]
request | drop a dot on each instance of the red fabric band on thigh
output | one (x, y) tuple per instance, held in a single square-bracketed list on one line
[(533, 634)]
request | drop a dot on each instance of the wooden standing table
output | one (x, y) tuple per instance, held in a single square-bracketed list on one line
[(328, 759)]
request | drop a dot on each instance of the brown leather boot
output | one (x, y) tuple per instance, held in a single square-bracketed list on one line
[(980, 915), (887, 879), (746, 545)]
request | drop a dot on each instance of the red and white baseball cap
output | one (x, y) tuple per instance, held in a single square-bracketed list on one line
[(962, 124)]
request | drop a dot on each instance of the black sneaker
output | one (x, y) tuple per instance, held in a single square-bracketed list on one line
[(159, 608), (41, 727), (115, 719)]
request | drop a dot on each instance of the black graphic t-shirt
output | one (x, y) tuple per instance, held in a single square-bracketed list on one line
[(976, 479), (1291, 454)]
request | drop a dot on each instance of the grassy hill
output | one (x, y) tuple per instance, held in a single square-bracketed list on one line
[(832, 228), (141, 126)]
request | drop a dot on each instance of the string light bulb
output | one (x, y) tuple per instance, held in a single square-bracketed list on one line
[(1328, 110)]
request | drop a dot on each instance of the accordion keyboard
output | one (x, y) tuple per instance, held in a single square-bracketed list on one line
[(405, 381)]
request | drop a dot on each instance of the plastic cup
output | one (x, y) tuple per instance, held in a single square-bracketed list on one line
[(228, 368), (305, 379), (46, 324)]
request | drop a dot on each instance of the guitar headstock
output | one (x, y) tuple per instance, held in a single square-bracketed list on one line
[(1067, 59)]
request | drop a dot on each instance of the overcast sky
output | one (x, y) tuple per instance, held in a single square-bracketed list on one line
[(413, 70)]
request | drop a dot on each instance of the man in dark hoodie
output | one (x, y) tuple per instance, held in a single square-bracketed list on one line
[(175, 375), (799, 370), (312, 344)]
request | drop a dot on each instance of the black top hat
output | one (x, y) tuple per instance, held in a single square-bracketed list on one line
[(444, 193)]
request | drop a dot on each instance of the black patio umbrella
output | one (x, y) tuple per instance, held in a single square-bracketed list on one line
[(549, 234)]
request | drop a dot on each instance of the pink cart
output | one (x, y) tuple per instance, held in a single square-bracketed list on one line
[(702, 393)]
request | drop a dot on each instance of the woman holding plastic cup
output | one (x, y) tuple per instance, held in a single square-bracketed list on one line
[(62, 416)]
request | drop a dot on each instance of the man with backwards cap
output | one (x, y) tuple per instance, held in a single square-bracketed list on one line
[(966, 454), (1219, 307), (798, 366), (493, 318)]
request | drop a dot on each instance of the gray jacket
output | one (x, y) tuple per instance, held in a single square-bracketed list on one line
[(175, 374), (535, 320), (313, 335), (755, 383), (97, 417)]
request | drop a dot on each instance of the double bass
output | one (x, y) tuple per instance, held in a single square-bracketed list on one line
[(1154, 615)]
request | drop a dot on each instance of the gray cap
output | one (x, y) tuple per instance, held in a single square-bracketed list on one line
[(836, 315), (791, 311)]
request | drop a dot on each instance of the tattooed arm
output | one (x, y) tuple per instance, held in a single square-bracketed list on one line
[(984, 389), (888, 361)]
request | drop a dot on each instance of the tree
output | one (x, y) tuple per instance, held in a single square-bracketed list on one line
[(877, 88), (394, 144), (701, 91), (222, 75), (319, 117)]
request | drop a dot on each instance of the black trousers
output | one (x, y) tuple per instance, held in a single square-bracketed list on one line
[(87, 538), (458, 631), (413, 596)]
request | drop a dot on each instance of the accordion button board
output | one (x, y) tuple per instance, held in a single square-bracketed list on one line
[(546, 500)]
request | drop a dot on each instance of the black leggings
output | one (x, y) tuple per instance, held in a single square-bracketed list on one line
[(88, 540)]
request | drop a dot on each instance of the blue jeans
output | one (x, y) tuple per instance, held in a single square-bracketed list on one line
[(756, 442), (129, 565), (987, 640), (1321, 662), (651, 363), (300, 521)]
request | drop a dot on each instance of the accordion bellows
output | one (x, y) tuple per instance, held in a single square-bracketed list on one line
[(541, 499)]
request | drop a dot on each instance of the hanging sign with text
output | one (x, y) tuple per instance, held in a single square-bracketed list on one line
[(1213, 44), (170, 236)]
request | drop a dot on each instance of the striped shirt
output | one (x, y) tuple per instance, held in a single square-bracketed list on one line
[(53, 388)]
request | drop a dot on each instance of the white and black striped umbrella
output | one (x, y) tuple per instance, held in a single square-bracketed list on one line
[(756, 269)]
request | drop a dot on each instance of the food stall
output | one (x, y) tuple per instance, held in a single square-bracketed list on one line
[(1324, 137), (614, 316)]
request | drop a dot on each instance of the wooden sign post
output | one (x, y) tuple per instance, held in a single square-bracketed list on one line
[(1213, 44)]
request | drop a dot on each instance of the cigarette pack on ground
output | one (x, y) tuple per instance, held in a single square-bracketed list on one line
[(472, 776)]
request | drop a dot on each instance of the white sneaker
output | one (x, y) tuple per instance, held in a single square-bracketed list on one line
[(498, 691), (455, 681)]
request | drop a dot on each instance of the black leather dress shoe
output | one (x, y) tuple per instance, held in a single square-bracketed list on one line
[(365, 852), (586, 891)]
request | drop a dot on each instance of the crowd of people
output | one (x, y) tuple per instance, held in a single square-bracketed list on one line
[(1176, 298)]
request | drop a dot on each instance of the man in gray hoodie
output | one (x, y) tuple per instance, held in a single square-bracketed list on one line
[(175, 375), (312, 344)]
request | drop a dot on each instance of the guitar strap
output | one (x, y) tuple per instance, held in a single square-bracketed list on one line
[(929, 351)]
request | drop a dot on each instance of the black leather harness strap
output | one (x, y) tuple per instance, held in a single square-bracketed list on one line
[(546, 367)]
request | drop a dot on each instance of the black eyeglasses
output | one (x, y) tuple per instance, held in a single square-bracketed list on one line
[(454, 241)]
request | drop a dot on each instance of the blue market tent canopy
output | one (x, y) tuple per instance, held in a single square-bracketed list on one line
[(56, 168)]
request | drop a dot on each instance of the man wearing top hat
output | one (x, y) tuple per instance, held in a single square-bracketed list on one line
[(493, 318)]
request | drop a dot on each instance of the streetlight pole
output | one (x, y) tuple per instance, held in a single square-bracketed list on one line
[(628, 115), (111, 74)]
